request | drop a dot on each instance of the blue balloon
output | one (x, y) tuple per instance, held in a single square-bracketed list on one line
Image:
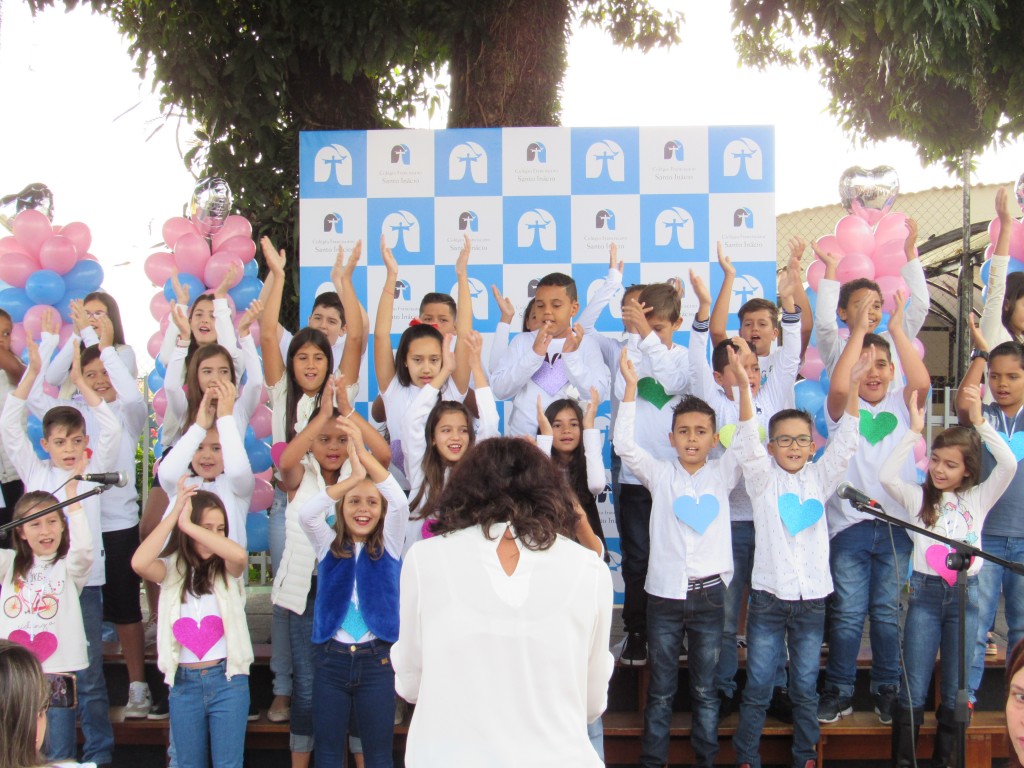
[(259, 456), (883, 324), (821, 423), (257, 531), (155, 380), (196, 287), (986, 267), (812, 298), (984, 294), (86, 276), (16, 302), (251, 269), (818, 454), (44, 287), (1014, 266), (248, 288), (160, 367), (808, 396), (35, 434), (824, 381)]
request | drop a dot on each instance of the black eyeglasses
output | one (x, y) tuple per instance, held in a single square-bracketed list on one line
[(784, 441)]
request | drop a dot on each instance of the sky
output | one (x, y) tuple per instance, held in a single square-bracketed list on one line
[(78, 118)]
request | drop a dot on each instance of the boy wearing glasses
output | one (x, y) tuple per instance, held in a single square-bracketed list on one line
[(790, 578)]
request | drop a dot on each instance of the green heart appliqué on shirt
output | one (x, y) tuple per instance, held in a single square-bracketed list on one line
[(650, 390), (875, 428), (726, 434)]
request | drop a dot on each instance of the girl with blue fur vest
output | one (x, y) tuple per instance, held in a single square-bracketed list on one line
[(355, 617)]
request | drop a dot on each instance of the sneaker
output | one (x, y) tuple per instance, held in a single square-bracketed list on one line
[(254, 714), (401, 708), (991, 649), (280, 710), (726, 705), (885, 703), (634, 650), (832, 706), (160, 711), (140, 702), (781, 707)]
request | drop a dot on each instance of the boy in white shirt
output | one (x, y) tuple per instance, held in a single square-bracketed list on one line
[(65, 441), (790, 578), (689, 568), (11, 369), (555, 361)]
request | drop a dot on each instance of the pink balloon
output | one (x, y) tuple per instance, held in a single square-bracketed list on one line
[(870, 215), (191, 253), (51, 390), (267, 475), (64, 334), (33, 321), (88, 257), (855, 265), (217, 268), (153, 345), (922, 465), (1017, 240), (889, 258), (159, 267), (893, 226), (844, 333), (242, 247), (889, 284), (261, 422), (58, 253), (11, 244), (159, 422), (262, 496), (919, 347), (275, 452), (920, 449), (234, 226), (812, 369), (175, 227), (990, 249), (16, 268), (18, 338), (79, 234), (829, 244), (56, 228), (160, 402), (32, 229), (159, 306), (815, 271), (854, 235), (254, 331)]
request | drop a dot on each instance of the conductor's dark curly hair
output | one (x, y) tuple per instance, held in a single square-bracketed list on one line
[(508, 480)]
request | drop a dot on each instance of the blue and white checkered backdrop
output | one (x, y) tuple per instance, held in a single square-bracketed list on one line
[(533, 201)]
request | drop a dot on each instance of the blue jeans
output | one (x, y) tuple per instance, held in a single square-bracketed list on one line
[(595, 732), (280, 640), (867, 581), (60, 742), (933, 624), (771, 624), (743, 565), (699, 616), (93, 705), (992, 578), (208, 716), (359, 676), (300, 632), (635, 546)]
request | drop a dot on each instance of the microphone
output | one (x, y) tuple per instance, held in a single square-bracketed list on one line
[(120, 479), (855, 496)]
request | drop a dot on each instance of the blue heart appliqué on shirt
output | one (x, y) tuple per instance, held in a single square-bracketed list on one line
[(797, 515), (696, 513), (1016, 443)]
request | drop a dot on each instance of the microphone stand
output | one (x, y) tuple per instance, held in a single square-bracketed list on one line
[(958, 560), (6, 528)]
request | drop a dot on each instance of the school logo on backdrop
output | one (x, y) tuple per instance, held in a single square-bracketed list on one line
[(674, 150), (401, 232), (674, 225), (744, 288), (536, 152), (400, 154), (468, 162), (469, 222), (333, 162), (743, 158), (605, 219), (605, 160), (743, 217), (537, 228), (334, 223), (531, 288), (403, 290)]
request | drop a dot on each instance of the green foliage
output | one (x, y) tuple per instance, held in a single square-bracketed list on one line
[(942, 74)]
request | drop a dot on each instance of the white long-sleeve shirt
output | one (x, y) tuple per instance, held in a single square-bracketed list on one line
[(678, 552), (793, 566), (961, 514), (583, 368), (58, 369), (529, 650), (596, 479), (38, 475)]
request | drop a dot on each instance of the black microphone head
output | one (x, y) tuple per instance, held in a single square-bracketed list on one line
[(122, 480), (843, 490)]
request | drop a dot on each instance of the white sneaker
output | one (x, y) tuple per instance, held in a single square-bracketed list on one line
[(140, 701)]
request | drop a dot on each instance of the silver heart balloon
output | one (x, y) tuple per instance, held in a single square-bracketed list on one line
[(864, 190), (210, 206), (33, 197), (1019, 189)]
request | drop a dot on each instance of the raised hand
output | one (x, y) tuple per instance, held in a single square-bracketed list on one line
[(228, 282), (226, 395), (634, 317), (736, 366), (506, 307), (573, 339), (543, 339), (35, 362), (327, 398), (797, 246), (725, 262), (250, 316), (613, 259), (207, 412), (181, 292), (1002, 206), (543, 425), (971, 401), (49, 323), (591, 412), (105, 330), (917, 411), (276, 259), (700, 288), (180, 320), (388, 257), (977, 338), (860, 369), (78, 316), (896, 316), (475, 344), (830, 260), (358, 471), (462, 262), (627, 368)]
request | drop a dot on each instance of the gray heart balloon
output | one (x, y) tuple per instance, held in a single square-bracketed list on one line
[(210, 206), (1019, 189), (864, 190)]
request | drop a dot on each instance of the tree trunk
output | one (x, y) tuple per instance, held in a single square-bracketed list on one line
[(507, 69)]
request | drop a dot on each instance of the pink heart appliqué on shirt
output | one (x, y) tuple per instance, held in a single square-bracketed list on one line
[(43, 645), (935, 556), (199, 638)]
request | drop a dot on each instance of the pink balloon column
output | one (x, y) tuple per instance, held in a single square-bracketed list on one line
[(46, 266)]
